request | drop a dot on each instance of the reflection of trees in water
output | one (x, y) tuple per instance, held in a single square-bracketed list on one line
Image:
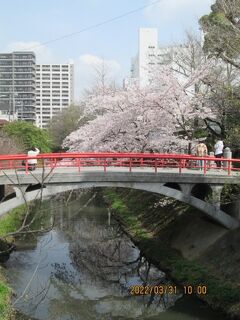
[(64, 274), (105, 257), (101, 251), (104, 264)]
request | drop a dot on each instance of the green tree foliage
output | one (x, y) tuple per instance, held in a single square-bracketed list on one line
[(64, 123), (29, 135), (232, 124), (222, 31), (224, 97)]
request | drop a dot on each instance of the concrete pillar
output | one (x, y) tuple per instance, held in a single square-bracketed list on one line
[(227, 154), (20, 191), (235, 210), (186, 188), (2, 191), (211, 163), (216, 195)]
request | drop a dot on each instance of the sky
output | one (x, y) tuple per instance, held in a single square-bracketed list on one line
[(26, 24)]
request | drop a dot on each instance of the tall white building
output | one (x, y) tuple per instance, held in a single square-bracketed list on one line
[(54, 90), (148, 47), (149, 55)]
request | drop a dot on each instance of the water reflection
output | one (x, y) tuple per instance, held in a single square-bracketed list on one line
[(82, 270)]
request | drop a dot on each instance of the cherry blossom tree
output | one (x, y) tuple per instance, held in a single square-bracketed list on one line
[(159, 117)]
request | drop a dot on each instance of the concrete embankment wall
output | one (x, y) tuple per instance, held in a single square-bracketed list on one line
[(183, 242)]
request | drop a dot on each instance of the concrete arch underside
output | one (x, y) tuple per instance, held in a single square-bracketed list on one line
[(210, 210)]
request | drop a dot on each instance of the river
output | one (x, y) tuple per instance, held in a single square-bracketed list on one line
[(83, 269)]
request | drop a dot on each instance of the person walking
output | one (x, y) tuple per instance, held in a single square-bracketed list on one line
[(218, 152), (32, 163), (201, 151)]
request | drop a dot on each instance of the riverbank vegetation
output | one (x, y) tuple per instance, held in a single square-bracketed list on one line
[(5, 296), (28, 220), (8, 223), (28, 135), (146, 218), (62, 124), (12, 221)]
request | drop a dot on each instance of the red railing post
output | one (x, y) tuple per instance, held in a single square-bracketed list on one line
[(51, 163), (105, 165), (229, 168), (78, 164), (204, 166), (26, 166), (180, 166), (155, 164), (130, 165)]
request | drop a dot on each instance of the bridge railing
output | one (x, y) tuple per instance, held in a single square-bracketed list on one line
[(156, 161)]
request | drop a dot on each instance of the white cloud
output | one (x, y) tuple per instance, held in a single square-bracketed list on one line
[(91, 61), (43, 53), (85, 73), (173, 17)]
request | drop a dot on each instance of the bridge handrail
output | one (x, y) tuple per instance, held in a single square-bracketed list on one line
[(180, 161), (76, 155)]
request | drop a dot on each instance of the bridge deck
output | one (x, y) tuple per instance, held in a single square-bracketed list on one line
[(61, 179), (72, 174)]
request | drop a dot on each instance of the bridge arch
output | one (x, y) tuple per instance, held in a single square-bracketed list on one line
[(210, 210), (201, 191), (173, 185)]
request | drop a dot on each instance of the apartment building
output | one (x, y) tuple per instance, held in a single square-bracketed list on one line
[(54, 90), (17, 86)]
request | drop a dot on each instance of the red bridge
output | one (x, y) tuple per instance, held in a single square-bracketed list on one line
[(173, 175)]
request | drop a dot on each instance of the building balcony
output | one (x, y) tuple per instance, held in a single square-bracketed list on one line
[(6, 71), (5, 56), (25, 85), (24, 72), (33, 59)]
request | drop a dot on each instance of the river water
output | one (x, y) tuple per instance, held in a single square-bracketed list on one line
[(83, 268)]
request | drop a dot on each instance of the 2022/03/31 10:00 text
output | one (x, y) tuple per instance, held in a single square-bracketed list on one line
[(167, 289)]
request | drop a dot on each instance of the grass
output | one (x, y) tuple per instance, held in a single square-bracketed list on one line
[(12, 221), (5, 293)]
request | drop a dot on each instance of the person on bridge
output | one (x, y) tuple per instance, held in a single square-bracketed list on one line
[(32, 163), (218, 152), (201, 151)]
